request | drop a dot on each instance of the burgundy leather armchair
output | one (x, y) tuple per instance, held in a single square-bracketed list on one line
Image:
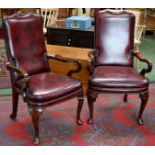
[(111, 63), (29, 69)]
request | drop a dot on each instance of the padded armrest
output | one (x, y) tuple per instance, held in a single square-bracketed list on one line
[(139, 56), (67, 60)]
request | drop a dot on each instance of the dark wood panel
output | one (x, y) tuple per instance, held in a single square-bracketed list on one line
[(70, 37)]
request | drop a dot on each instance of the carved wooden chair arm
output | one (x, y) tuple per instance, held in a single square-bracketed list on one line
[(67, 60), (18, 70), (139, 56), (91, 62), (23, 73)]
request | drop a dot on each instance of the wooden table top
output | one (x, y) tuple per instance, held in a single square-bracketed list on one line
[(69, 52)]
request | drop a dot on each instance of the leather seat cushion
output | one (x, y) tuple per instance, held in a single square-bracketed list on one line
[(117, 77), (48, 86)]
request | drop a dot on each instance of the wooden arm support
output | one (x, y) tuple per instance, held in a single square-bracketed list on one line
[(67, 60), (139, 56), (23, 73), (18, 70)]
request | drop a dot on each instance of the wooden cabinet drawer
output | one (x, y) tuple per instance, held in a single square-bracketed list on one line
[(70, 37), (80, 38), (57, 37)]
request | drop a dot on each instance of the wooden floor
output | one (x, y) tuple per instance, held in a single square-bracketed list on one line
[(80, 54)]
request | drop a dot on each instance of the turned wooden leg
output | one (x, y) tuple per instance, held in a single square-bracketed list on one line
[(91, 99), (125, 98), (79, 108), (15, 96), (35, 114), (144, 98)]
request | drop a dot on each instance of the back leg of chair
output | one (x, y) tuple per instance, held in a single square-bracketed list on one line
[(79, 108), (15, 97), (91, 97), (35, 114), (125, 98), (144, 98)]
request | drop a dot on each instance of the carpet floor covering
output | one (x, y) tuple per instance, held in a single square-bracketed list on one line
[(114, 123)]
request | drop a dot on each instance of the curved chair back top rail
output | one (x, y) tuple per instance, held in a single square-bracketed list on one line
[(21, 48), (114, 38)]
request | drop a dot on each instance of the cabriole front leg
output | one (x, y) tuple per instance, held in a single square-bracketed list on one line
[(79, 108), (91, 97), (144, 98), (35, 114)]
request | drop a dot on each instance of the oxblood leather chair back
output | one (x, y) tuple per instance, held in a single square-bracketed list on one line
[(26, 46), (30, 74), (111, 63), (114, 38)]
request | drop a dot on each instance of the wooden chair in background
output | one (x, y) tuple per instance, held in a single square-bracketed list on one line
[(50, 16)]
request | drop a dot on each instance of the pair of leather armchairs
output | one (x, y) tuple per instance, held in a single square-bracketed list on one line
[(111, 65)]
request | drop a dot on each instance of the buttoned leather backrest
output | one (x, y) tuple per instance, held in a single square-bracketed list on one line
[(25, 42), (114, 38)]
